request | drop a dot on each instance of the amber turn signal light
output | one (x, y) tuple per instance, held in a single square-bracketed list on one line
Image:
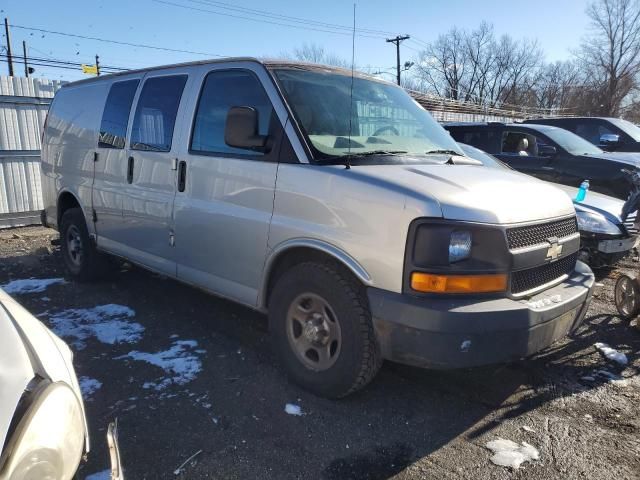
[(432, 283)]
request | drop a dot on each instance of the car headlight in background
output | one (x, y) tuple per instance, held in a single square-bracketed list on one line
[(459, 245), (49, 440), (596, 223)]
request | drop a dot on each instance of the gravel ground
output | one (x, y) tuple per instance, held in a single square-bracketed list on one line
[(226, 397)]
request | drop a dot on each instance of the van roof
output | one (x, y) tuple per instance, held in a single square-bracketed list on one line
[(273, 63)]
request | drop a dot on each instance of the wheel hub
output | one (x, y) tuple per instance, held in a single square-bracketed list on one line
[(316, 330), (313, 331)]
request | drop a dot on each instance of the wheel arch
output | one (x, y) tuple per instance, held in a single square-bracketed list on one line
[(293, 252), (66, 200)]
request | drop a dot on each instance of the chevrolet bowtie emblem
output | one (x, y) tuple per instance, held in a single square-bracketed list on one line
[(554, 250)]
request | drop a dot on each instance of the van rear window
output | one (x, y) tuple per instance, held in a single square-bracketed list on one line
[(156, 113), (113, 128)]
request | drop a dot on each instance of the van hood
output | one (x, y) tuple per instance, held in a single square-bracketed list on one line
[(474, 193)]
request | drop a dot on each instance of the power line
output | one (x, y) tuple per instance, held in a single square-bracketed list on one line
[(117, 42), (63, 64), (277, 16), (242, 17)]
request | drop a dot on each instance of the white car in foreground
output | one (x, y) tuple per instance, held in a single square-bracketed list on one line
[(43, 427)]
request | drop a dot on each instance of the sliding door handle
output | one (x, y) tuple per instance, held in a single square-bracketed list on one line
[(130, 170), (182, 175)]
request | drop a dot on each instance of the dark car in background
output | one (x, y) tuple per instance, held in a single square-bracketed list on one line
[(604, 237), (550, 153), (610, 134)]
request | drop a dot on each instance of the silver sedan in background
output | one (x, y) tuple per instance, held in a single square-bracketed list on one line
[(605, 237)]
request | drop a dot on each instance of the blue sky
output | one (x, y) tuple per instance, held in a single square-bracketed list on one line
[(557, 25)]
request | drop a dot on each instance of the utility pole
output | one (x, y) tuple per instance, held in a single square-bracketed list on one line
[(24, 56), (97, 66), (9, 57), (397, 41)]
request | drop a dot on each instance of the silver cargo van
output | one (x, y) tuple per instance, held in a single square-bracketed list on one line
[(334, 203)]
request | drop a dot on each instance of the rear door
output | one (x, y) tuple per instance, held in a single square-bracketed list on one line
[(224, 203), (151, 171), (110, 164)]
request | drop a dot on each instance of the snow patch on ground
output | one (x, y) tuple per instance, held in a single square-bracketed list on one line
[(103, 475), (293, 409), (108, 323), (89, 386), (179, 362), (611, 353), (30, 285), (509, 454)]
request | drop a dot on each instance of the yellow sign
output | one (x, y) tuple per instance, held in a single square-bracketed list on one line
[(90, 69)]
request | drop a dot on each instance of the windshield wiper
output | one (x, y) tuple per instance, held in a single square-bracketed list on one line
[(442, 152), (346, 159), (376, 152)]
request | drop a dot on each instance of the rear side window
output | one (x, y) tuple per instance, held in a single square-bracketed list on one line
[(221, 91), (156, 113), (113, 128)]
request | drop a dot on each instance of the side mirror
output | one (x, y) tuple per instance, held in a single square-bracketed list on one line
[(241, 129), (609, 139), (547, 151)]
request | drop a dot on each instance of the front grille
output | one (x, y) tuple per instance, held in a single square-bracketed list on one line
[(630, 222), (525, 280), (529, 235)]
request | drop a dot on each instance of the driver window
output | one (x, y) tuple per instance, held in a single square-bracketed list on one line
[(520, 144), (221, 91)]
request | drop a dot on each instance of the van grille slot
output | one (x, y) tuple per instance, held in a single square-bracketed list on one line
[(532, 278), (529, 235)]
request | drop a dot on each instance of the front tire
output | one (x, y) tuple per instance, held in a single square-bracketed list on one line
[(82, 260), (321, 328)]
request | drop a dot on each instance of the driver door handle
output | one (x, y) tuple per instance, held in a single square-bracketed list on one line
[(130, 170), (182, 175)]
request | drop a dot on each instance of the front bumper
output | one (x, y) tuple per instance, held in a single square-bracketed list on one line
[(465, 332), (620, 245)]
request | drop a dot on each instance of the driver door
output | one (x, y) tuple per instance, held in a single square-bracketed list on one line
[(224, 200)]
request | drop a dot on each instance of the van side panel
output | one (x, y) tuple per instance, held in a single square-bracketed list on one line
[(70, 140)]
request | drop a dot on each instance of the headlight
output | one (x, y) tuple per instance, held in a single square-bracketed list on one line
[(49, 440), (451, 256), (459, 245), (596, 223)]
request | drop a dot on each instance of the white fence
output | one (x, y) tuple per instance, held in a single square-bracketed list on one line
[(23, 108)]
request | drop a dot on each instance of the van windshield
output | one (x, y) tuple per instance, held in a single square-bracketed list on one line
[(384, 119)]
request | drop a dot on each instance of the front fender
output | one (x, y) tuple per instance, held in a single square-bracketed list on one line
[(321, 246)]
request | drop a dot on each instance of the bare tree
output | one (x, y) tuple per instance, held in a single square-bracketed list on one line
[(611, 53), (442, 64), (475, 66), (313, 53)]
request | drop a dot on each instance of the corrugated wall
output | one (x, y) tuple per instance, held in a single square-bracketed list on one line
[(24, 103)]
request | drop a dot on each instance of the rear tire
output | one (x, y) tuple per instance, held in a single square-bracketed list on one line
[(320, 324), (81, 258)]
